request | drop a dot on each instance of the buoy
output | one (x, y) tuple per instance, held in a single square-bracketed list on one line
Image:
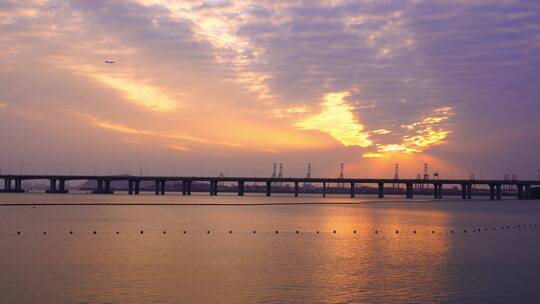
[(414, 232), (44, 232), (71, 232), (207, 231), (164, 232), (142, 232), (185, 232), (397, 231), (433, 231), (464, 231), (317, 231), (117, 232), (334, 231), (95, 232), (354, 231), (451, 231), (277, 232), (230, 231), (254, 231), (297, 232), (376, 231), (18, 232)]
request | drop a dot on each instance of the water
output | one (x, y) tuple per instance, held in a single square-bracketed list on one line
[(494, 266)]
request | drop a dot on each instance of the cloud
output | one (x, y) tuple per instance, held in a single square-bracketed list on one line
[(337, 119), (430, 130)]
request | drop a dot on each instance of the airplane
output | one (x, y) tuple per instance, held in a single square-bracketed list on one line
[(109, 61)]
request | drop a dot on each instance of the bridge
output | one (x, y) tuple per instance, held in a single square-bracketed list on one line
[(57, 184)]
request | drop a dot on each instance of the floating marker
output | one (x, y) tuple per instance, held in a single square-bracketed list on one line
[(414, 232), (142, 232), (451, 231), (334, 231), (397, 231), (354, 231), (277, 232), (71, 232), (433, 231), (185, 232), (297, 232), (230, 231), (164, 232), (44, 232), (117, 232), (207, 231), (254, 231), (95, 232), (317, 231), (18, 232), (376, 231)]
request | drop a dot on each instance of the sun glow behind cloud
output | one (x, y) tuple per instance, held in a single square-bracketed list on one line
[(138, 93), (338, 120), (427, 132)]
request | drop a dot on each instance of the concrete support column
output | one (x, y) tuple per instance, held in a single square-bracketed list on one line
[(324, 189), (436, 191), (52, 185), (108, 187), (184, 187), (499, 193), (352, 189), (492, 192), (527, 194), (137, 186), (463, 191), (520, 191), (130, 186), (62, 185), (7, 184), (381, 190), (240, 188), (469, 191), (296, 189), (213, 188), (99, 186), (163, 183), (268, 188), (18, 185), (156, 187), (409, 191), (440, 190), (188, 187)]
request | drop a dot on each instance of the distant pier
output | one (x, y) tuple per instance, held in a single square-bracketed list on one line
[(57, 184)]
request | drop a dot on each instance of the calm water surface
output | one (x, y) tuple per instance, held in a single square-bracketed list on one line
[(253, 264)]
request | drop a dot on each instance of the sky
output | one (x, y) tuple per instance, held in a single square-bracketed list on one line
[(227, 86)]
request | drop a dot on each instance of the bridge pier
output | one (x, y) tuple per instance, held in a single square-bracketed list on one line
[(240, 188), (213, 188), (381, 190), (469, 191), (130, 186), (463, 191), (527, 193), (409, 191), (156, 187), (352, 189), (188, 183), (296, 189), (491, 192), (7, 184), (499, 192), (137, 186), (324, 189), (268, 188), (520, 191)]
